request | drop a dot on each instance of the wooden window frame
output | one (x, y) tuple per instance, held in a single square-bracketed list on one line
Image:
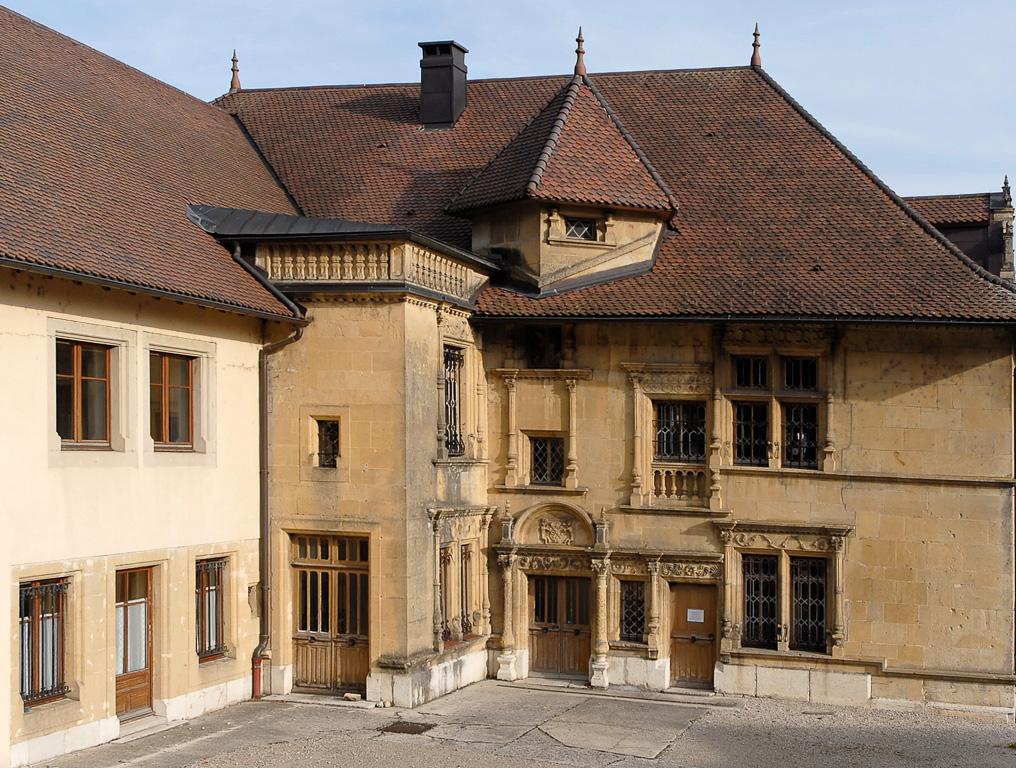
[(164, 396), (76, 441), (31, 594), (203, 586)]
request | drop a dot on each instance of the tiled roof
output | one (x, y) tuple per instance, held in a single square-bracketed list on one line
[(98, 163), (574, 151), (946, 210), (776, 218)]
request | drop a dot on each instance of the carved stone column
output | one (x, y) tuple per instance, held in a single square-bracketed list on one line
[(730, 635), (837, 636), (599, 677), (511, 477), (506, 661), (484, 628), (435, 522), (442, 450), (652, 597), (639, 469), (715, 453), (571, 470)]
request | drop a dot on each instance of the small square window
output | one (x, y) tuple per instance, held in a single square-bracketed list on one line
[(751, 372), (328, 443), (800, 373), (548, 460), (580, 229)]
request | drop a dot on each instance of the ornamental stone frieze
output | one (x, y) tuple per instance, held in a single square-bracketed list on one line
[(671, 379), (552, 563), (815, 337)]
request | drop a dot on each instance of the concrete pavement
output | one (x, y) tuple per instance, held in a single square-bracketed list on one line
[(538, 724)]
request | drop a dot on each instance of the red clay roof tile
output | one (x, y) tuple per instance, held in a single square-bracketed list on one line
[(946, 210), (99, 162), (776, 218)]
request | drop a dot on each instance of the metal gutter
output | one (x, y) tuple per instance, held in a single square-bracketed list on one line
[(105, 282)]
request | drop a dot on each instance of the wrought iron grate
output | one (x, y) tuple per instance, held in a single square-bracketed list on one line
[(633, 610), (454, 443), (800, 436), (681, 432), (548, 460), (808, 585), (580, 229), (760, 603), (751, 434), (328, 443)]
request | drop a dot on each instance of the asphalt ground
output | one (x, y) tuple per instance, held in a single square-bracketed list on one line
[(531, 725)]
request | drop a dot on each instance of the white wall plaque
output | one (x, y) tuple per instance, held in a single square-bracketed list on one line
[(697, 615)]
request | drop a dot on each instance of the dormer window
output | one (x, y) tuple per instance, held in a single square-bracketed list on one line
[(580, 229)]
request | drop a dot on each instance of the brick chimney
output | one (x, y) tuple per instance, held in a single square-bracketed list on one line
[(442, 84)]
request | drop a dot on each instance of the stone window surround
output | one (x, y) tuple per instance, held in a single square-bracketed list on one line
[(556, 233), (455, 531), (310, 415), (516, 469), (122, 393), (781, 539), (472, 392)]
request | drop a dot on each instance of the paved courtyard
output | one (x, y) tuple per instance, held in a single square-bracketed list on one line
[(498, 725)]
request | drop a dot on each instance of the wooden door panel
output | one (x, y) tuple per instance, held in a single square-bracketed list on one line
[(559, 629), (133, 641), (693, 639), (313, 663), (576, 647)]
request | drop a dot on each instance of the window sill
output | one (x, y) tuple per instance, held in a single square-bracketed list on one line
[(86, 447), (778, 654), (629, 645), (459, 461), (678, 510), (556, 490), (168, 448), (581, 243)]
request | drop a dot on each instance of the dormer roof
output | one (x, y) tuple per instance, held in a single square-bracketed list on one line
[(574, 150)]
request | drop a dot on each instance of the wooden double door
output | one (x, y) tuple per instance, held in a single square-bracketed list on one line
[(133, 643), (693, 639), (332, 612), (560, 637)]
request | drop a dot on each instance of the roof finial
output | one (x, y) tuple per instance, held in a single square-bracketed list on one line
[(234, 84), (756, 59), (580, 64), (1006, 191)]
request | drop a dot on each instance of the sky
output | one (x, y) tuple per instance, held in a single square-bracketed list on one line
[(920, 91)]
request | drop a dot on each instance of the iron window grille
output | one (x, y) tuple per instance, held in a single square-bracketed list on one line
[(751, 434), (633, 611), (454, 443), (210, 622), (800, 436), (171, 400), (800, 374), (761, 587), (445, 558), (548, 460), (328, 443), (580, 229), (82, 394), (42, 606), (681, 432), (467, 624), (751, 372), (808, 589)]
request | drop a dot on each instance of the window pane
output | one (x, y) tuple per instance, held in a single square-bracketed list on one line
[(179, 371), (137, 635), (64, 358), (121, 660), (93, 361), (633, 616), (751, 372), (364, 604), (93, 410), (179, 415), (155, 407), (751, 438), (137, 585), (760, 601), (808, 586), (155, 368), (800, 436), (65, 407)]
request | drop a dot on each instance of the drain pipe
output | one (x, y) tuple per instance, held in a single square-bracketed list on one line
[(265, 543), (264, 547)]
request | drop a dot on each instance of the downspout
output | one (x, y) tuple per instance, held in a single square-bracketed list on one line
[(265, 550), (264, 547)]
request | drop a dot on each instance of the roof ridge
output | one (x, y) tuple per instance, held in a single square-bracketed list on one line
[(479, 172), (555, 133), (626, 135), (947, 196), (886, 190)]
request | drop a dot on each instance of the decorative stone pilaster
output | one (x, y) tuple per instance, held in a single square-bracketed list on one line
[(640, 465), (571, 470), (484, 628), (511, 477), (729, 632), (653, 638), (435, 523), (599, 677), (506, 661)]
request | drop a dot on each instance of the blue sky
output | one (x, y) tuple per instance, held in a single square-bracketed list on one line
[(921, 92)]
